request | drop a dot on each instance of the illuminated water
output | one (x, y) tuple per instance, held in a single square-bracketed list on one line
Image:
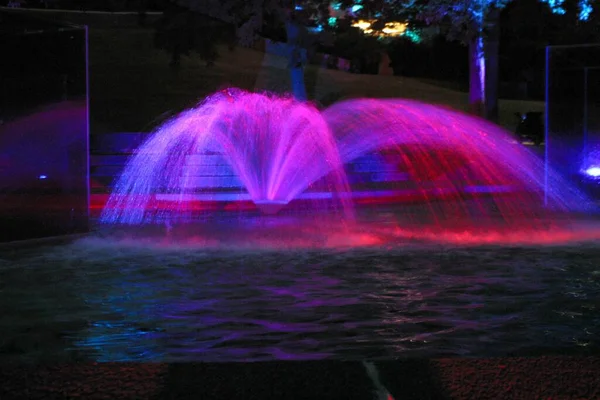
[(275, 154), (164, 299), (276, 147)]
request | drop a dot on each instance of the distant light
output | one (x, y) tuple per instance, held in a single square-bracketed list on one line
[(412, 35), (362, 25), (42, 177), (390, 29), (594, 172), (299, 8), (394, 28), (557, 6), (585, 9)]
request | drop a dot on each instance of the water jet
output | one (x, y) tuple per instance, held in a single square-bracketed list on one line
[(435, 167)]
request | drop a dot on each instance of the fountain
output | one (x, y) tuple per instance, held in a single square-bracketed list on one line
[(275, 147), (275, 155)]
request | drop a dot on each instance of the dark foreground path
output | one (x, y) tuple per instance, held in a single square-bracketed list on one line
[(500, 378)]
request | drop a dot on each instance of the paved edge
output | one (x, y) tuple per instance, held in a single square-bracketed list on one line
[(419, 379)]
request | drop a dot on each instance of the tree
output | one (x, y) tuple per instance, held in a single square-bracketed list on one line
[(363, 51), (475, 23), (248, 18), (181, 32), (296, 37)]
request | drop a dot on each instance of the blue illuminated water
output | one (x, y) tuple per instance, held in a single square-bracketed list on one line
[(112, 299)]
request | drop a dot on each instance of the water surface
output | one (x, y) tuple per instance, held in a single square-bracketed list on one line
[(114, 299)]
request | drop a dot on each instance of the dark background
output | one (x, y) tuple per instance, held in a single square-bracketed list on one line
[(43, 129)]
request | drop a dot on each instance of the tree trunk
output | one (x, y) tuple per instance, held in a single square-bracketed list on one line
[(298, 85), (477, 81), (296, 61), (492, 42), (483, 70)]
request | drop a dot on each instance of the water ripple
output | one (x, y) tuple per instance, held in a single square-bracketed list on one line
[(103, 300)]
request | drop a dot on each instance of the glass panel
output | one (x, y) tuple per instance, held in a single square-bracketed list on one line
[(43, 129), (572, 117)]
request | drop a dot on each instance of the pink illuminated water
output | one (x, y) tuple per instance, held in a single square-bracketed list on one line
[(276, 147), (451, 156), (437, 169)]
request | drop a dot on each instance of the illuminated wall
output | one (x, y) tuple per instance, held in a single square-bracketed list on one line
[(43, 129)]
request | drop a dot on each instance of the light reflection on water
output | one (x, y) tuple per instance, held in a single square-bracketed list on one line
[(115, 299)]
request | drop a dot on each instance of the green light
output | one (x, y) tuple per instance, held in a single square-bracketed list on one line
[(412, 35)]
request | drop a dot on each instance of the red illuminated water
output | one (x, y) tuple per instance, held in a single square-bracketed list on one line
[(446, 175), (379, 232)]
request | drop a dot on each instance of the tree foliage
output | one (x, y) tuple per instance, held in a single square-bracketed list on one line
[(184, 28), (463, 19), (181, 33), (247, 17), (460, 20)]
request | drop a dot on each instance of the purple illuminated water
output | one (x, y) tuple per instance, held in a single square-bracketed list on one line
[(282, 154), (411, 177), (276, 147)]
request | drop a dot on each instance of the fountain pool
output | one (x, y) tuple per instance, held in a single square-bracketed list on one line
[(254, 227)]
